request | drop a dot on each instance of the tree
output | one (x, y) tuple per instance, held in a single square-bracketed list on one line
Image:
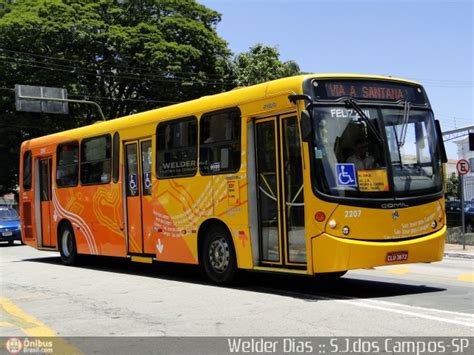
[(128, 56), (262, 63), (452, 185)]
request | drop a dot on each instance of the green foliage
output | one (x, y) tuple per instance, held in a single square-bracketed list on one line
[(128, 56), (452, 184), (262, 63)]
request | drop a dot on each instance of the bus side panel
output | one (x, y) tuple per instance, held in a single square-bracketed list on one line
[(96, 212), (27, 213), (107, 206), (148, 229), (230, 206), (178, 207), (181, 205)]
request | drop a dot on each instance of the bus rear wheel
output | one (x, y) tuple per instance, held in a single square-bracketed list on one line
[(67, 245), (218, 260)]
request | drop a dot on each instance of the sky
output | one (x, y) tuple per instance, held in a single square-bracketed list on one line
[(428, 41)]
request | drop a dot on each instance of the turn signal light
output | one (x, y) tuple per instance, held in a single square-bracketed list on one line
[(319, 216)]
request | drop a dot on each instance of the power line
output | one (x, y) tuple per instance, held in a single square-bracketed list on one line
[(122, 99), (147, 71), (109, 98), (129, 76)]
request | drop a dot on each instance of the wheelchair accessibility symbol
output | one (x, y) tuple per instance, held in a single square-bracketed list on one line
[(132, 183), (346, 175), (147, 181)]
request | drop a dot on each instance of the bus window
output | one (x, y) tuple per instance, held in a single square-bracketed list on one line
[(67, 164), (27, 170), (220, 142), (176, 145), (116, 157), (95, 160)]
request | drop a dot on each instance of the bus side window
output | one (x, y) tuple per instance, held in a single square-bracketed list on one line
[(95, 160), (219, 150), (67, 164), (27, 170), (176, 148)]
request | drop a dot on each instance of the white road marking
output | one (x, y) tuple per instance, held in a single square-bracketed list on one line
[(464, 319), (391, 307), (372, 305), (424, 308)]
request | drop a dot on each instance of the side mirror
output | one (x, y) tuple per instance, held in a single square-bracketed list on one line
[(306, 126)]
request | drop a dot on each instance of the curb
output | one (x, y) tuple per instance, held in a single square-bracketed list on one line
[(459, 255)]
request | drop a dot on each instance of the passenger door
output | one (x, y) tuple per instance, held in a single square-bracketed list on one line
[(138, 191), (45, 201), (280, 191)]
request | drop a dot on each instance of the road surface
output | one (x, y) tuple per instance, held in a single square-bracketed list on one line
[(113, 297)]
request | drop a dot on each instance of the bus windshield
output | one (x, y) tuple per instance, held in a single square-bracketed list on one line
[(352, 161)]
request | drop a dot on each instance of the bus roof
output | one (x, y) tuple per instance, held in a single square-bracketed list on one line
[(209, 103)]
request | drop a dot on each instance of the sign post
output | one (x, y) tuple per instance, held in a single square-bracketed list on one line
[(46, 100), (463, 168)]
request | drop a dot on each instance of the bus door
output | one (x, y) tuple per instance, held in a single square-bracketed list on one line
[(279, 178), (45, 201), (138, 190)]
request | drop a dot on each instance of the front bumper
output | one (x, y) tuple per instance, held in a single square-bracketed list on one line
[(4, 237), (339, 254)]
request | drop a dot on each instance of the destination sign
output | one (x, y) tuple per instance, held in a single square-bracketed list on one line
[(368, 90)]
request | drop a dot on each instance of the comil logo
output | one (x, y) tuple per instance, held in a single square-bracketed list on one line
[(14, 345)]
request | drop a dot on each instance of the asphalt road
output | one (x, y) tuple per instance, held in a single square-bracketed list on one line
[(110, 296)]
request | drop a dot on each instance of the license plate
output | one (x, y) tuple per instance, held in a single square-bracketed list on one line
[(7, 234), (393, 256)]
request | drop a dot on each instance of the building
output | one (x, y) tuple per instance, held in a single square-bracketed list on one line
[(468, 179)]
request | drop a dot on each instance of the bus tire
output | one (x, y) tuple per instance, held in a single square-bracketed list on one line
[(328, 276), (218, 259), (67, 245)]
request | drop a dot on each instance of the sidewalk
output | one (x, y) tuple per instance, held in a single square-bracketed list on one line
[(456, 250)]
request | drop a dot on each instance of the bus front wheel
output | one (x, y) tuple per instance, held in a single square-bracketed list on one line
[(67, 245), (218, 262)]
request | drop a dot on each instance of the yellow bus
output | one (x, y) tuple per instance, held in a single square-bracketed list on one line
[(313, 174)]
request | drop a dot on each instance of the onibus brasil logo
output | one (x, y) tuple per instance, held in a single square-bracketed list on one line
[(16, 345)]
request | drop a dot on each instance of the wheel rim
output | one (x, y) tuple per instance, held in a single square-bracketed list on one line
[(219, 254), (67, 243)]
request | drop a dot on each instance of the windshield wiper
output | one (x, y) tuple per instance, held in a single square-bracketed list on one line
[(355, 106), (403, 132)]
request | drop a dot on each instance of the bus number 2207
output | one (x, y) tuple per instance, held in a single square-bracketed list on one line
[(352, 213)]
